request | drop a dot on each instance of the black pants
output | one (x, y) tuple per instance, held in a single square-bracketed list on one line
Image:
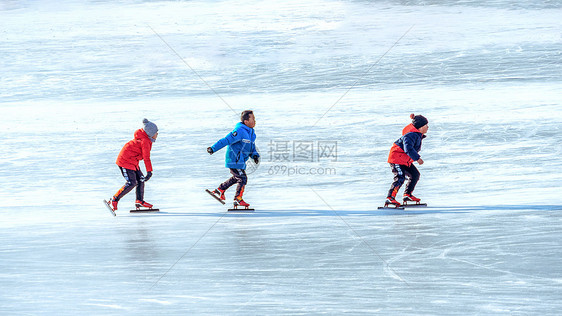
[(238, 176), (400, 173), (134, 178)]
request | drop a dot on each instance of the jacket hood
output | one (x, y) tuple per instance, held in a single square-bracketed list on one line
[(410, 129), (244, 126), (140, 134)]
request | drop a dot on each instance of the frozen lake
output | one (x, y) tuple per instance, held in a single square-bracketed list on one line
[(78, 78), (451, 260)]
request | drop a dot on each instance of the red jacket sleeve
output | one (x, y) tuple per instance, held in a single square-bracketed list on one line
[(146, 145)]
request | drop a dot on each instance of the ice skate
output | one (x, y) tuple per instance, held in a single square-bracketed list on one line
[(240, 205), (238, 201), (218, 194), (139, 204), (113, 204), (143, 207), (391, 202), (410, 200)]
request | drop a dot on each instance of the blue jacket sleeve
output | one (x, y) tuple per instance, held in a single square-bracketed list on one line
[(255, 152), (410, 141), (229, 139)]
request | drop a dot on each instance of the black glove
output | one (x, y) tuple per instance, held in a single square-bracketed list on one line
[(210, 150), (256, 159), (148, 176)]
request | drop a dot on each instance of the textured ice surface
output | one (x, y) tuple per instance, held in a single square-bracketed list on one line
[(78, 78)]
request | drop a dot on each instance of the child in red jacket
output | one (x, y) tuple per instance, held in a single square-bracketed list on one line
[(402, 155), (128, 161)]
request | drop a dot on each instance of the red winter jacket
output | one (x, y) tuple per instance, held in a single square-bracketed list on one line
[(405, 150), (136, 150)]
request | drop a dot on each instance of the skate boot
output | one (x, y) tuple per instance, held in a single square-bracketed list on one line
[(238, 201), (219, 193), (140, 204), (410, 198), (391, 201), (113, 204)]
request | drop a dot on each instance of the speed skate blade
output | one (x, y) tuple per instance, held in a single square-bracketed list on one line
[(109, 208), (241, 209), (391, 207), (214, 196), (414, 205), (148, 210)]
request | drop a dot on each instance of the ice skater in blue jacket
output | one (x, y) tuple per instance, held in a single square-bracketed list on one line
[(241, 147)]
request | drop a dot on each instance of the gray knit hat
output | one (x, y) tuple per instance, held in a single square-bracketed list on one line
[(150, 128)]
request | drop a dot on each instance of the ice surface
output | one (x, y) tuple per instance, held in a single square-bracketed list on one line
[(78, 78)]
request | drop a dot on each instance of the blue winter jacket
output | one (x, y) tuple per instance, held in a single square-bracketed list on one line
[(241, 146)]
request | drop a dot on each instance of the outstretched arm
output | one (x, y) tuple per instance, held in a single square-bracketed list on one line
[(229, 139)]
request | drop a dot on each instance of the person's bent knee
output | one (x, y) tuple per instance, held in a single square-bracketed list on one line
[(132, 182)]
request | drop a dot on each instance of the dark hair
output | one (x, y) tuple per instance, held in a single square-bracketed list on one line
[(246, 115)]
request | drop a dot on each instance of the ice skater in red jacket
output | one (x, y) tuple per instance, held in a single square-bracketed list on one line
[(402, 155), (128, 161)]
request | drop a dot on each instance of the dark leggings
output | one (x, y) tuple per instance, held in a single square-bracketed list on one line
[(134, 179), (400, 173), (238, 176)]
